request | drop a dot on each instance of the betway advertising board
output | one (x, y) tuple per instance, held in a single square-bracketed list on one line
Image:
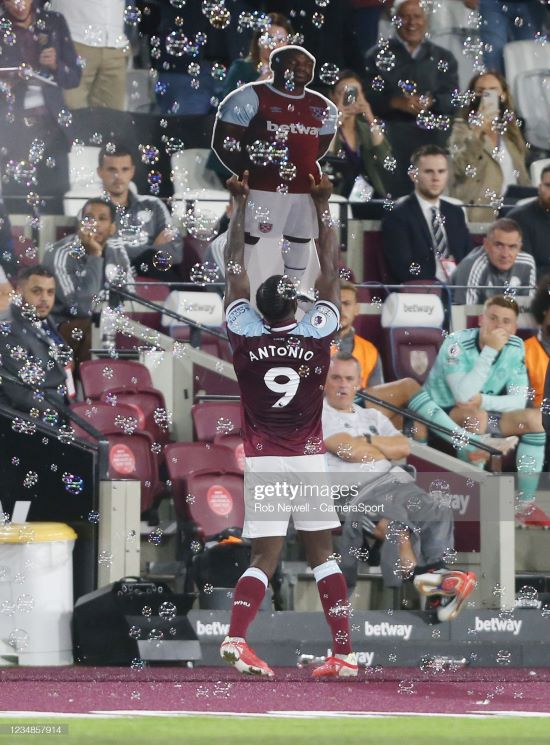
[(398, 638)]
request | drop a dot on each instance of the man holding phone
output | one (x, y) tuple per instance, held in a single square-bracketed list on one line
[(35, 110)]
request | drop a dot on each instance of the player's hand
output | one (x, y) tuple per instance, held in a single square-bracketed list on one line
[(496, 339), (238, 188), (91, 245), (165, 236), (472, 403), (322, 191)]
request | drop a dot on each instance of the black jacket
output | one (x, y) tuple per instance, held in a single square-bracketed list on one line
[(51, 30), (30, 355), (434, 70), (407, 239)]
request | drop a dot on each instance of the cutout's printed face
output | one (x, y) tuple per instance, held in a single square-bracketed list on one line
[(295, 65)]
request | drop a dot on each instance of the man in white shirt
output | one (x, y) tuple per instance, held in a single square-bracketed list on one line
[(97, 29), (385, 500)]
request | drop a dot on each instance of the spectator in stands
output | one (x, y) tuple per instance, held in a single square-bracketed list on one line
[(487, 147), (82, 264), (359, 152), (365, 18), (8, 259), (328, 34), (498, 264), (424, 236), (5, 296), (35, 129), (479, 383), (397, 392), (184, 48), (537, 347), (143, 222), (254, 67), (501, 22), (533, 217), (31, 350), (97, 28), (410, 83), (356, 438), (351, 343)]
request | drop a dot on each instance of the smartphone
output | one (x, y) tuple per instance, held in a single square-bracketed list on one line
[(350, 95), (489, 104)]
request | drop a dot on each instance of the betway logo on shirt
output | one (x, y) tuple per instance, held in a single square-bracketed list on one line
[(295, 129), (498, 624), (388, 629)]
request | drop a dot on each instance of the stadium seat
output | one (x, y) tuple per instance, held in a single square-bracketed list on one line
[(459, 41), (535, 169), (413, 332), (211, 418), (152, 290), (524, 56), (182, 458), (107, 418), (410, 353), (149, 406), (527, 66), (192, 180), (98, 376), (131, 457), (129, 382), (218, 500), (140, 94), (83, 179), (234, 443)]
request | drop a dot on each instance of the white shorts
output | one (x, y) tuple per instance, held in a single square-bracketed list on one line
[(274, 215), (277, 488)]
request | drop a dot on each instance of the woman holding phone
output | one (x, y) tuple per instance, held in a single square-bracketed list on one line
[(487, 147), (355, 162)]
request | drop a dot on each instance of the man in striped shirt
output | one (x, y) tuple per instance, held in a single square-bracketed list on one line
[(82, 264), (499, 263)]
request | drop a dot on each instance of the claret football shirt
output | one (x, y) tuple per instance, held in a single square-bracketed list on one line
[(287, 129), (281, 373)]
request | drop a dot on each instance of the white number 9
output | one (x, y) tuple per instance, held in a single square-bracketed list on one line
[(289, 387)]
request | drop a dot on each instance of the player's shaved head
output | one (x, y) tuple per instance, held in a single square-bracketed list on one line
[(271, 300)]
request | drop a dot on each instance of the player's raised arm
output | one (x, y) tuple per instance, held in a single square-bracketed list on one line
[(237, 285), (328, 281)]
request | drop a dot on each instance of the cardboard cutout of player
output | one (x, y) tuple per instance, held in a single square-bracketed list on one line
[(277, 130)]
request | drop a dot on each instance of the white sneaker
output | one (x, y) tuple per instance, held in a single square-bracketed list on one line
[(504, 444)]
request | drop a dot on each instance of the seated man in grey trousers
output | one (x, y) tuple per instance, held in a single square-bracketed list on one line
[(385, 500)]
